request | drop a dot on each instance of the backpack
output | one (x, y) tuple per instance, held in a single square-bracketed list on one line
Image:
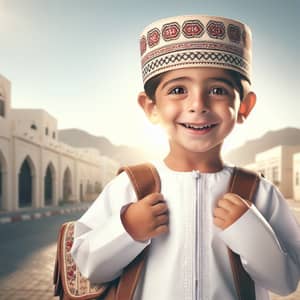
[(69, 284)]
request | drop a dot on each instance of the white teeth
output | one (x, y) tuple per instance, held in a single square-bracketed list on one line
[(198, 127)]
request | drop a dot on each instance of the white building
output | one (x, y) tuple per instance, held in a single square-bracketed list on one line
[(276, 164), (296, 176), (35, 168)]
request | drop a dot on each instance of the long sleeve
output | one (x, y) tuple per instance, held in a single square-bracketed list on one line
[(267, 238), (102, 247)]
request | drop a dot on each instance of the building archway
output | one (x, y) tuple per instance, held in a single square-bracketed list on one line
[(3, 182), (81, 192), (26, 183), (67, 185), (49, 183)]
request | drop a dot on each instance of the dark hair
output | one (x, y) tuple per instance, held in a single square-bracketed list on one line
[(240, 81), (151, 86)]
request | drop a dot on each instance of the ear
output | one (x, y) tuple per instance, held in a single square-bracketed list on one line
[(149, 107), (246, 106)]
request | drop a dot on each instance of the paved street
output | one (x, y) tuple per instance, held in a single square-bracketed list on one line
[(27, 256)]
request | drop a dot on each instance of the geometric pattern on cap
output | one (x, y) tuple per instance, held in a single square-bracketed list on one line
[(195, 57), (195, 40)]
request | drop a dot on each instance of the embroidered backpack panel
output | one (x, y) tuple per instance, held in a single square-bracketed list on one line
[(74, 284)]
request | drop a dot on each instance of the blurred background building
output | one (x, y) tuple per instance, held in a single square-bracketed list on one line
[(38, 170)]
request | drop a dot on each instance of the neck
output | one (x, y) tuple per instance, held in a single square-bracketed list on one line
[(205, 162)]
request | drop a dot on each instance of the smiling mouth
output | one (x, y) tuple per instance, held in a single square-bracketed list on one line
[(197, 127)]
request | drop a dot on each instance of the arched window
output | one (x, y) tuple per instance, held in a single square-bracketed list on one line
[(297, 178), (2, 108), (3, 180), (98, 187), (89, 188), (49, 185), (25, 184), (67, 185)]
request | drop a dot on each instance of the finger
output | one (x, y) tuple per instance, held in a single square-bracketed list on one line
[(163, 229), (160, 208), (162, 220), (153, 198), (225, 204), (220, 213), (235, 199), (240, 201), (219, 223)]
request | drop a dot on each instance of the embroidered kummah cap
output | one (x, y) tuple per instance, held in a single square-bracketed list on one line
[(195, 40)]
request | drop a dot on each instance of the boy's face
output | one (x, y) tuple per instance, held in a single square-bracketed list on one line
[(198, 107)]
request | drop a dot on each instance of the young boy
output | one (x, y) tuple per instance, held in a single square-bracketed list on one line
[(196, 71)]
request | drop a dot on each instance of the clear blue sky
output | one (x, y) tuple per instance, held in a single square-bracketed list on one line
[(79, 60)]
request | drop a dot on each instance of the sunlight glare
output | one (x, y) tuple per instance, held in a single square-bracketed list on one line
[(154, 139)]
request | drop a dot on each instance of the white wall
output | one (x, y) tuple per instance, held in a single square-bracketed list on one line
[(19, 141)]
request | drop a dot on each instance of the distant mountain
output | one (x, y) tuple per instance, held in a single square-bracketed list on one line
[(129, 155), (123, 154), (246, 153)]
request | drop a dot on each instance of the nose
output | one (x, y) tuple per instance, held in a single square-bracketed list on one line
[(198, 104)]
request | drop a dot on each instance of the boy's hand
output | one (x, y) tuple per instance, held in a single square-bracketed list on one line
[(146, 218), (229, 209)]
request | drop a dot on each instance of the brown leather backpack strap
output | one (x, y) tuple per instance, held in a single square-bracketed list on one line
[(244, 183), (145, 180)]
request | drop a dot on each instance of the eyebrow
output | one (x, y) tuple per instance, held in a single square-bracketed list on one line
[(221, 79), (174, 80), (229, 82)]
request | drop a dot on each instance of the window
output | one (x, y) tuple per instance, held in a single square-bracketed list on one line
[(2, 108), (89, 188), (33, 126), (275, 176), (297, 178), (54, 135), (98, 187), (46, 130)]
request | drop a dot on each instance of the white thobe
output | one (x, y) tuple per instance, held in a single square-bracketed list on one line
[(191, 261)]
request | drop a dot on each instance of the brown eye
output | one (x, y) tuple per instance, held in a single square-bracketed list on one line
[(177, 91), (218, 91)]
